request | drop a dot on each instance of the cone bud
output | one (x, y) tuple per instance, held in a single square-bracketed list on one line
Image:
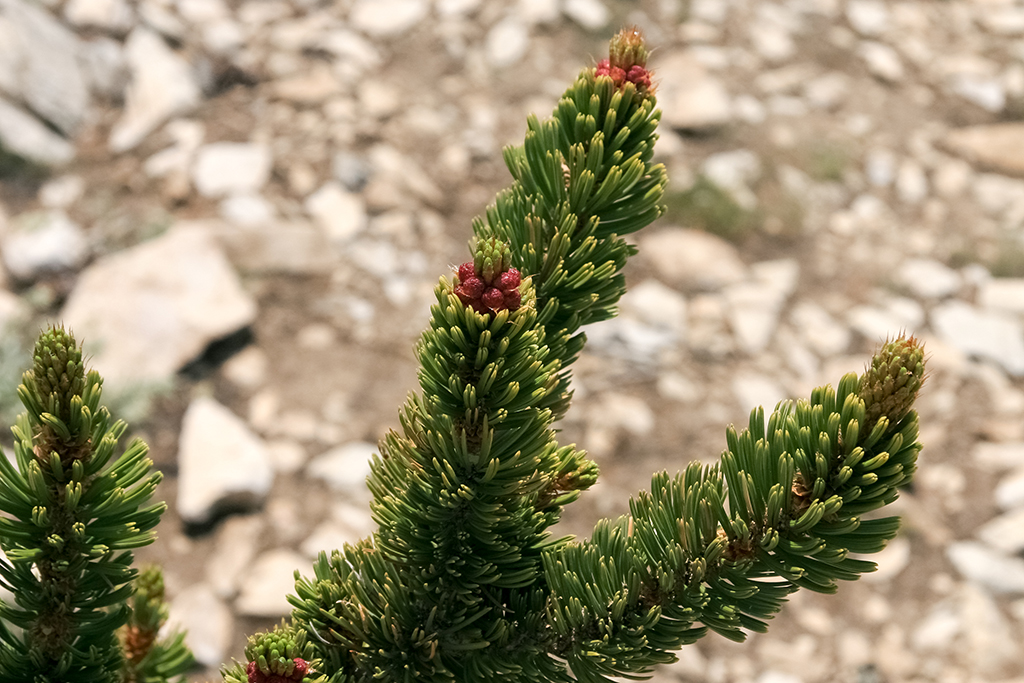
[(890, 385), (489, 283)]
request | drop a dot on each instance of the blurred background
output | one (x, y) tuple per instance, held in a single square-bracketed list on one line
[(242, 207)]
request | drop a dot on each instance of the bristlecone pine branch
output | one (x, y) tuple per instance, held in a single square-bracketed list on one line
[(462, 581), (73, 511)]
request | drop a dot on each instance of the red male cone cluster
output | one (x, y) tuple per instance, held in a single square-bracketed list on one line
[(627, 61), (501, 292), (257, 676)]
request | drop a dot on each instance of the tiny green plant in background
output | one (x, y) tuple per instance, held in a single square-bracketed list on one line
[(75, 506)]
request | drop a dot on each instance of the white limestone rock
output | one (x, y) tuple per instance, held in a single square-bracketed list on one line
[(1009, 492), (266, 588), (507, 42), (754, 306), (340, 213), (206, 621), (825, 335), (387, 18), (882, 61), (344, 468), (162, 87), (985, 334), (222, 463), (928, 278), (690, 97), (41, 242), (26, 136), (590, 14), (868, 17), (692, 259), (1002, 294), (994, 146), (231, 168), (114, 16), (39, 65), (987, 567), (238, 540), (1005, 533), (150, 309)]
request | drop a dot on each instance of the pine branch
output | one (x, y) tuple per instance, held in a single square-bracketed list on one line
[(724, 546), (462, 582), (74, 512)]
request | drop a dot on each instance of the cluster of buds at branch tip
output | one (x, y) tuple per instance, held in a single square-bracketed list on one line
[(297, 674), (489, 283), (627, 61), (890, 385)]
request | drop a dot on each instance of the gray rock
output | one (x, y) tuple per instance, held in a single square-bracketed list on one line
[(994, 146), (734, 171), (990, 335), (1003, 294), (1009, 492), (820, 331), (1005, 533), (105, 68), (657, 305), (266, 588), (882, 61), (880, 167), (247, 368), (24, 135), (107, 15), (456, 8), (221, 462), (893, 559), (590, 14), (162, 87), (238, 540), (387, 18), (692, 259), (206, 621), (327, 536), (999, 195), (986, 567), (39, 65), (537, 11), (999, 456), (987, 93), (868, 17), (754, 389), (228, 168), (988, 638), (150, 309), (938, 629), (346, 467), (340, 213), (633, 341), (507, 42), (247, 210), (754, 306), (690, 97), (61, 192), (928, 279), (286, 455), (294, 246), (911, 182), (41, 242)]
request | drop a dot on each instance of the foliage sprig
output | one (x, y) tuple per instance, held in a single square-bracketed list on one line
[(73, 513), (462, 581)]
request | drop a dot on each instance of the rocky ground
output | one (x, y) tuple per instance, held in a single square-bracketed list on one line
[(242, 207)]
